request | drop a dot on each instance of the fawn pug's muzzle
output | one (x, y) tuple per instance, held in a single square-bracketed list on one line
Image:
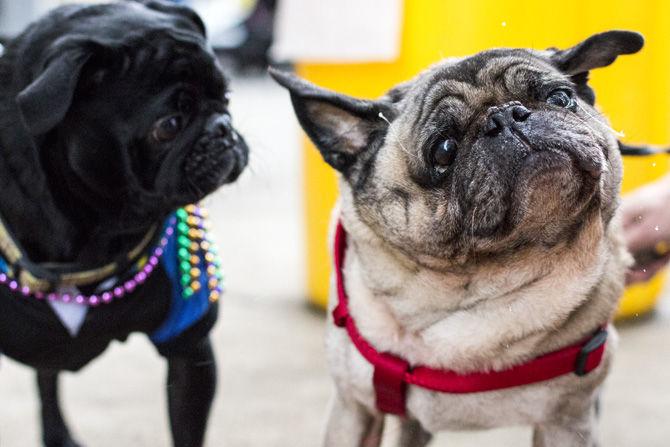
[(530, 160)]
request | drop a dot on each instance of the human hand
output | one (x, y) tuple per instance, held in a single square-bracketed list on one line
[(646, 224)]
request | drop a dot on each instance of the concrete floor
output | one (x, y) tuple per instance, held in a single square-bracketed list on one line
[(274, 387)]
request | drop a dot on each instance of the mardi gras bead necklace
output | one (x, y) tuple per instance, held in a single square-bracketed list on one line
[(195, 250)]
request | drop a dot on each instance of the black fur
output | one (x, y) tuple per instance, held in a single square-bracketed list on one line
[(82, 179)]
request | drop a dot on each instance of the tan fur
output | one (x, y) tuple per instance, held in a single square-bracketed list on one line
[(512, 310), (427, 318), (482, 232)]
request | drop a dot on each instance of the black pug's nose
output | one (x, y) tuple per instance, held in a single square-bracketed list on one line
[(221, 126), (504, 116)]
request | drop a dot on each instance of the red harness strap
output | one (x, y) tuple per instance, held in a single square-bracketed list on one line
[(392, 374)]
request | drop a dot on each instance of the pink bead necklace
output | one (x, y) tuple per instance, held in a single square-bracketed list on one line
[(106, 296)]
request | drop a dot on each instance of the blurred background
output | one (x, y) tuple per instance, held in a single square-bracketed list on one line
[(271, 225)]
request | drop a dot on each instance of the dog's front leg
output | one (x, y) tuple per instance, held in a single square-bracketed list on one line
[(54, 430), (351, 425), (191, 384), (573, 432), (412, 434)]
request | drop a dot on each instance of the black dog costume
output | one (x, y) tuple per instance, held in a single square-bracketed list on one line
[(112, 118), (162, 303)]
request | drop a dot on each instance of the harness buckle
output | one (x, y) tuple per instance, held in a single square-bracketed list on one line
[(582, 366), (390, 385)]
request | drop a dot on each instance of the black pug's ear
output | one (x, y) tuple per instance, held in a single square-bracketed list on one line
[(46, 100), (599, 50), (340, 126)]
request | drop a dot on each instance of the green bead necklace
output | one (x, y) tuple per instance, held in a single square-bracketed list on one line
[(196, 250)]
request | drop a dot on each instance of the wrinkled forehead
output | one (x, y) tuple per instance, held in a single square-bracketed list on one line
[(120, 21), (487, 78), (454, 93), (164, 43)]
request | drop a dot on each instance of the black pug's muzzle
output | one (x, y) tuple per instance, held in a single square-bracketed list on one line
[(217, 158)]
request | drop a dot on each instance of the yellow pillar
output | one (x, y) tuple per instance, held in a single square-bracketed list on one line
[(634, 92)]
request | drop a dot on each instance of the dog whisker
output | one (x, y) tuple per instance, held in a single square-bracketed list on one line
[(404, 149), (616, 133)]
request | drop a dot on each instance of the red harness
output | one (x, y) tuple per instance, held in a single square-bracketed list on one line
[(392, 374)]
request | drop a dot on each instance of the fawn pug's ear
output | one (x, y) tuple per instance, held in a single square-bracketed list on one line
[(599, 50), (340, 126)]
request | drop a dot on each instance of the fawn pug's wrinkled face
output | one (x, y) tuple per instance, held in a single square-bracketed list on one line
[(478, 156), (128, 105)]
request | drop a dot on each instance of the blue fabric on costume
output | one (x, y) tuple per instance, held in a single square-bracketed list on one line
[(184, 312)]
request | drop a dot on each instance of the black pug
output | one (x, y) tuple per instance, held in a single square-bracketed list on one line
[(112, 117)]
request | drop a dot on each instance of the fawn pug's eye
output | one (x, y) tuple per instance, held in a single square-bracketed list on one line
[(166, 129), (443, 155), (562, 97)]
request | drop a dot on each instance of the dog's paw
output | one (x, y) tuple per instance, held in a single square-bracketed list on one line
[(62, 442)]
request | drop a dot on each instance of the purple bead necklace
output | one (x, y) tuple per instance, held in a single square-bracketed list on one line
[(107, 296)]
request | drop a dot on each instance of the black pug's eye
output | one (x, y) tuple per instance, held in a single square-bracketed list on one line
[(443, 155), (166, 129), (562, 98)]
